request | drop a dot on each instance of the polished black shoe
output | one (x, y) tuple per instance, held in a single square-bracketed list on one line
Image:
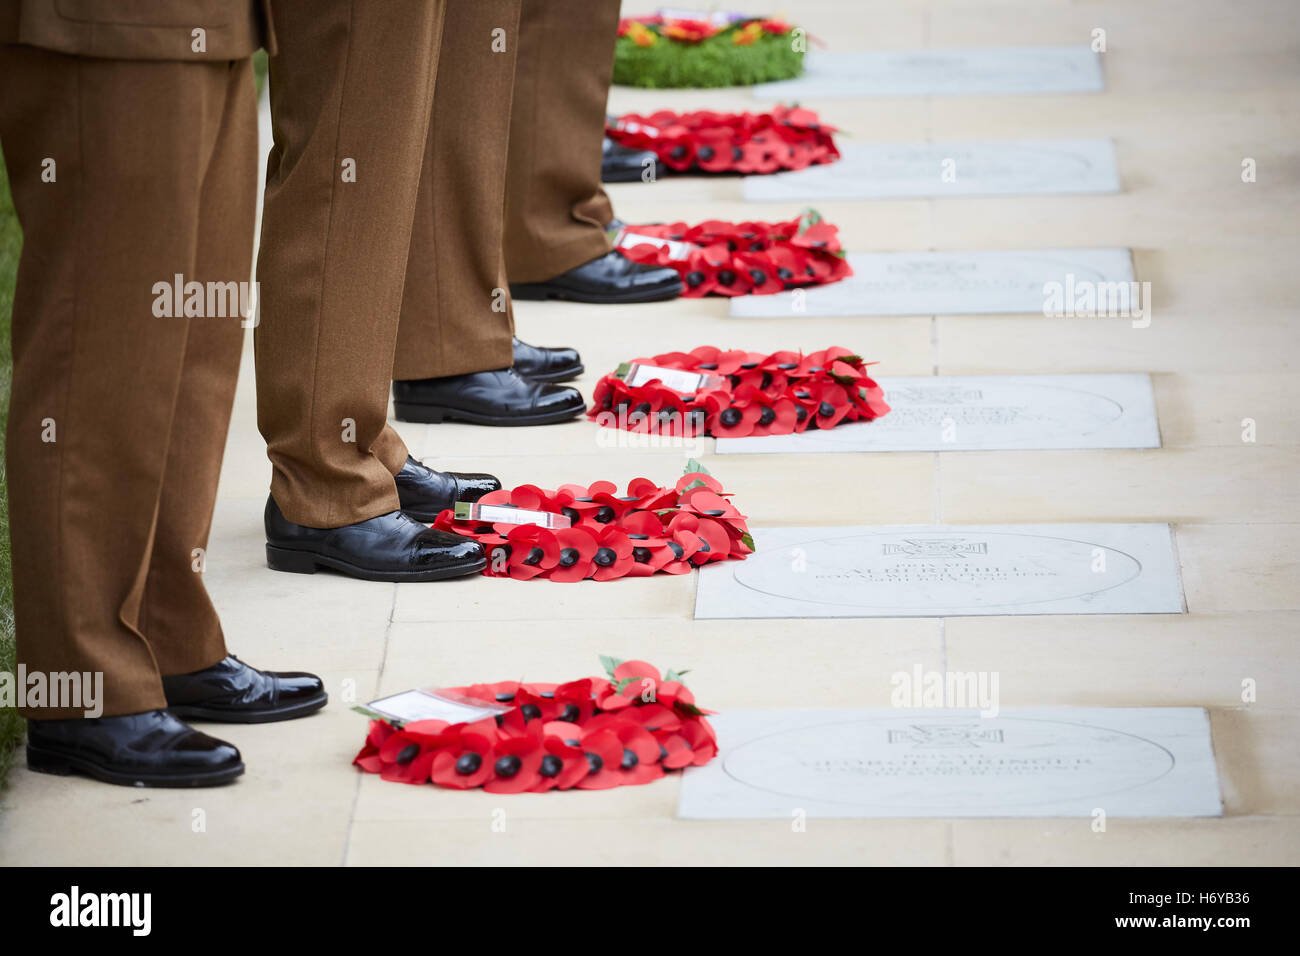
[(392, 547), (612, 278), (623, 164), (547, 365), (424, 493), (502, 397), (152, 749), (233, 692)]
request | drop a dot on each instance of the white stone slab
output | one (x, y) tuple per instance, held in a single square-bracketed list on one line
[(960, 72), (987, 413), (951, 283), (1039, 762), (946, 571), (911, 170)]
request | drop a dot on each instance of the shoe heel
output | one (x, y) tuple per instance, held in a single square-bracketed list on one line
[(43, 762), (425, 414), (295, 562)]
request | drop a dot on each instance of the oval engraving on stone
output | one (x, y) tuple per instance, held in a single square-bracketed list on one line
[(938, 570), (1030, 410), (935, 762)]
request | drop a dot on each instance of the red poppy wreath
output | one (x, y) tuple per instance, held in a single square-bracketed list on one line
[(734, 394), (595, 733), (708, 142), (746, 258), (591, 532)]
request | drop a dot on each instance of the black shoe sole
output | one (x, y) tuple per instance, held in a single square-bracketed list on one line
[(436, 414), (226, 716), (309, 562), (538, 291), (559, 375), (64, 765)]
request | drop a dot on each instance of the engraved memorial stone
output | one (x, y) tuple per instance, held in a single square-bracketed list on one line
[(954, 283), (918, 170), (947, 571), (1025, 69), (985, 413), (898, 762)]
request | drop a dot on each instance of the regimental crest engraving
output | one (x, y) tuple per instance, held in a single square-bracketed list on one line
[(935, 548), (946, 736)]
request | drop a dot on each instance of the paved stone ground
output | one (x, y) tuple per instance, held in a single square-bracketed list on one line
[(1191, 89)]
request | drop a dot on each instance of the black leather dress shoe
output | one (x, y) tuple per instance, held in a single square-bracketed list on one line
[(391, 547), (622, 164), (612, 278), (546, 365), (152, 749), (424, 492), (232, 691), (502, 397)]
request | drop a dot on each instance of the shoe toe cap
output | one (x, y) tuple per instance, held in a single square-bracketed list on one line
[(558, 398), (298, 686), (442, 549), (471, 486)]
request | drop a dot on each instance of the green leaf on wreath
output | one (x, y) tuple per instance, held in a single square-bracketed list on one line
[(609, 663), (807, 219), (694, 467), (673, 675), (618, 688), (748, 539)]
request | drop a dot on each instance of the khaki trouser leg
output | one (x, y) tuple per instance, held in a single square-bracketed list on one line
[(556, 209), (456, 309), (351, 92), (176, 614), (98, 377)]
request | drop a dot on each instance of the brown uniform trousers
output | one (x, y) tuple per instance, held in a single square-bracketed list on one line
[(132, 159), (401, 274)]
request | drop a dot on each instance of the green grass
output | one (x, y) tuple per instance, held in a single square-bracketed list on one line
[(11, 241)]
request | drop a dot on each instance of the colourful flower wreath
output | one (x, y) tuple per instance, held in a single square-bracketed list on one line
[(704, 141), (724, 50), (650, 529), (759, 394), (747, 258), (592, 734)]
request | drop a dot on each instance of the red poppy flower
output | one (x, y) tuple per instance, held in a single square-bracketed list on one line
[(502, 692), (676, 751), (533, 551), (516, 762), (465, 760), (639, 763), (577, 549), (734, 421), (832, 404), (562, 764), (706, 502), (613, 557), (575, 701), (698, 479), (634, 680), (368, 757), (655, 717), (604, 753), (699, 735), (407, 757)]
